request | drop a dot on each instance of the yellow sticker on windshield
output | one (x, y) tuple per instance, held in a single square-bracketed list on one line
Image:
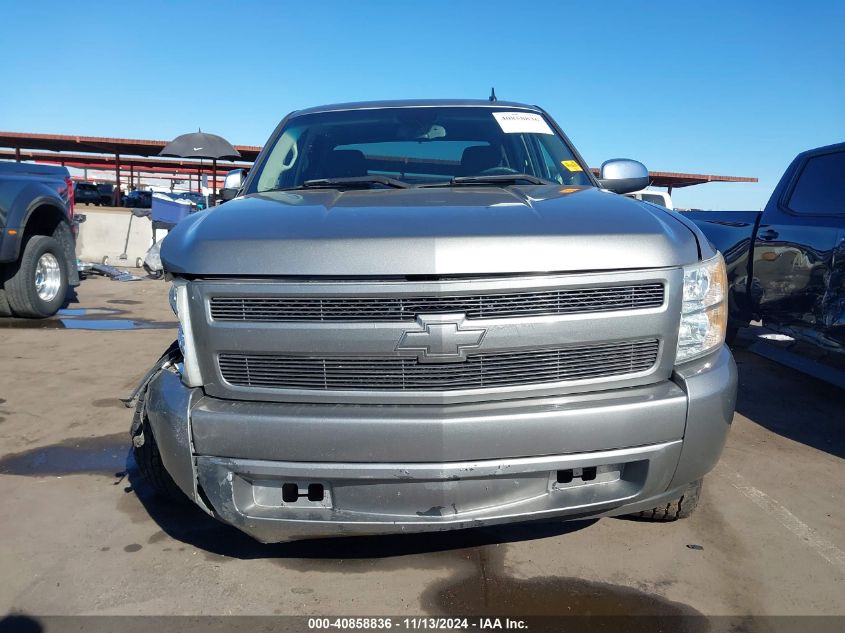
[(571, 165)]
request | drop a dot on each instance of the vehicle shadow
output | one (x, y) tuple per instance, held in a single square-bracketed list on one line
[(788, 402), (185, 522), (780, 399), (70, 298), (20, 623)]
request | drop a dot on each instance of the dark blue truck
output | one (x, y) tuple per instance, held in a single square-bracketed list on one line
[(37, 239), (786, 264)]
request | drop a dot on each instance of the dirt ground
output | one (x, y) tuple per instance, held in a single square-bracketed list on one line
[(80, 535)]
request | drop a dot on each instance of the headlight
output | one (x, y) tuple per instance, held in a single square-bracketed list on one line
[(185, 336), (172, 298), (704, 314)]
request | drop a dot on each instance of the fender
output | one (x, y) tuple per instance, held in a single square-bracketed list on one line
[(28, 197), (732, 233), (25, 201)]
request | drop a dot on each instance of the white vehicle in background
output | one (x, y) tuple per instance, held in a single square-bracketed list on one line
[(656, 197)]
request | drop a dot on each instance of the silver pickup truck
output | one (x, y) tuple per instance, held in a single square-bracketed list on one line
[(430, 315)]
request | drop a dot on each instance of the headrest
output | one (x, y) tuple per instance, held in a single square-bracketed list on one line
[(345, 163), (476, 159)]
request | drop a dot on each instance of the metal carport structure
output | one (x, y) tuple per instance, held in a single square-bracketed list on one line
[(141, 156)]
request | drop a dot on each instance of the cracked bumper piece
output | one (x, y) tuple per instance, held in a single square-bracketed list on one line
[(290, 471), (392, 498)]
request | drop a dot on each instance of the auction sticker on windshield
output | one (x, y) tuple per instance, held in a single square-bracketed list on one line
[(522, 123)]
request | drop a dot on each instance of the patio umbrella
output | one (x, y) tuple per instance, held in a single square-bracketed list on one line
[(201, 145)]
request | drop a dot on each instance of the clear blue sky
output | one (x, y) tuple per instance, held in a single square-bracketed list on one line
[(726, 87)]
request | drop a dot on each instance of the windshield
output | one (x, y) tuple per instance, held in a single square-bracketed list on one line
[(418, 146)]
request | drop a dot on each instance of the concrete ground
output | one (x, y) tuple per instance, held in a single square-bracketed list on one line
[(77, 536)]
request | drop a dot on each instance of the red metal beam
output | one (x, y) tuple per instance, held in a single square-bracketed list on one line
[(138, 164), (679, 179), (130, 150), (150, 172), (98, 144)]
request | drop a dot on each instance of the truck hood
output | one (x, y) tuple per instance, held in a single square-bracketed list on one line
[(428, 231)]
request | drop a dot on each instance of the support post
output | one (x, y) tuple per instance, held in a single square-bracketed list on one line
[(116, 196)]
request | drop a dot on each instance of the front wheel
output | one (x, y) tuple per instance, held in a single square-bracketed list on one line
[(148, 458), (38, 284), (679, 508), (5, 309)]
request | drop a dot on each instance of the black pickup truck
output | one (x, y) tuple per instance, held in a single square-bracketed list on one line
[(786, 264), (37, 239)]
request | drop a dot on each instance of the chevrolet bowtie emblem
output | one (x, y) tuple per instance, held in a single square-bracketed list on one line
[(441, 338)]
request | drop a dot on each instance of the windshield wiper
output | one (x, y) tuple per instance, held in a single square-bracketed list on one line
[(354, 181), (497, 179), (492, 179)]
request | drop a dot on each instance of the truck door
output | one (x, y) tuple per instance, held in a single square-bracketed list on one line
[(798, 266)]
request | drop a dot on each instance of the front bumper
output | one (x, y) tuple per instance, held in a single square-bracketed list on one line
[(287, 471)]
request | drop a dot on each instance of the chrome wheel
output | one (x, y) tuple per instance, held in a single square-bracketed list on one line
[(48, 277)]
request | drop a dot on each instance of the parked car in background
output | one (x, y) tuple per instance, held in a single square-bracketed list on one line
[(37, 239), (786, 264), (86, 193), (427, 315), (655, 197), (138, 199), (106, 191)]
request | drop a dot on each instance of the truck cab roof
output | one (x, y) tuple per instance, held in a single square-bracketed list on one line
[(415, 103)]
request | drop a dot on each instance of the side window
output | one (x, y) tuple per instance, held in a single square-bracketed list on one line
[(282, 159), (820, 189)]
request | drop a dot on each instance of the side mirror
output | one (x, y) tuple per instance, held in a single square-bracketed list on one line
[(232, 184), (623, 175)]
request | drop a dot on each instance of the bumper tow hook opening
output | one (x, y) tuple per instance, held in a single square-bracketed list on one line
[(290, 493), (564, 476), (315, 492), (588, 473)]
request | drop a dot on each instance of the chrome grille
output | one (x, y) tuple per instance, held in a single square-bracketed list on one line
[(501, 369), (486, 306)]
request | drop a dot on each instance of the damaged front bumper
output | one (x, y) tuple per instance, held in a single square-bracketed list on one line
[(290, 471)]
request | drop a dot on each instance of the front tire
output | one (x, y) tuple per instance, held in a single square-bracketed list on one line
[(680, 508), (148, 458), (5, 309), (38, 283)]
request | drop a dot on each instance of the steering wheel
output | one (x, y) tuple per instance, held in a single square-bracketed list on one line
[(498, 171)]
